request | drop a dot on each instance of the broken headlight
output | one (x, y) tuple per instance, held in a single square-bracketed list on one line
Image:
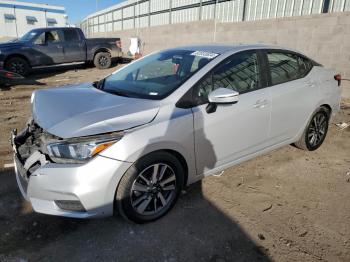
[(80, 151)]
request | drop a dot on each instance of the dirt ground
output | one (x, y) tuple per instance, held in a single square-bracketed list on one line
[(288, 205)]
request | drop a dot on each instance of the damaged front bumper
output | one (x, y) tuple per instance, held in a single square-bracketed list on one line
[(70, 190)]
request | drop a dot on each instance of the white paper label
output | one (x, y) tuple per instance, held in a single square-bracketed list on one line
[(208, 55)]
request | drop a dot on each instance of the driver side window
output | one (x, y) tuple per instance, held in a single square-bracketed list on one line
[(48, 37), (40, 40), (241, 72)]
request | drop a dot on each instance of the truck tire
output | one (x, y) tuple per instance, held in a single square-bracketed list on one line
[(18, 65), (103, 60)]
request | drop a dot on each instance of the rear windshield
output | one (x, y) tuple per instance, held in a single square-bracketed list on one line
[(157, 75)]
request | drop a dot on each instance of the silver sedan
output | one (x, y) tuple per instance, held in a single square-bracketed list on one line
[(130, 142)]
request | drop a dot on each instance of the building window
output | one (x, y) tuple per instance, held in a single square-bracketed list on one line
[(51, 21), (9, 18), (31, 20)]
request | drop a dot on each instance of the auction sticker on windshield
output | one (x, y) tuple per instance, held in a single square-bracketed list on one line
[(208, 55)]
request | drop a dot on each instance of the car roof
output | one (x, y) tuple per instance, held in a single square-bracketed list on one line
[(224, 48), (53, 28)]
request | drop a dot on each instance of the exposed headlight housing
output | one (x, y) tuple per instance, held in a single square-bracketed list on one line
[(79, 151)]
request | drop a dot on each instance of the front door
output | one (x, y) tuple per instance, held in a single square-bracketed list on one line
[(237, 130), (48, 48)]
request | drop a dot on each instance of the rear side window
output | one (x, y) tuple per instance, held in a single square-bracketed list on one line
[(305, 66), (284, 67), (71, 35)]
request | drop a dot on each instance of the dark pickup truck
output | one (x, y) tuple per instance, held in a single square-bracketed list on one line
[(51, 46)]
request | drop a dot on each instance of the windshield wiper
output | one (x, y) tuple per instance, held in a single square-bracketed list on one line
[(115, 92)]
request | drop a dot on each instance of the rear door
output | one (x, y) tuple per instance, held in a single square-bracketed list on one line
[(294, 93), (48, 48), (74, 46), (233, 131)]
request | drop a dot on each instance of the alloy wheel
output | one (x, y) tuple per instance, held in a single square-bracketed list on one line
[(317, 129), (153, 189), (17, 67), (103, 61)]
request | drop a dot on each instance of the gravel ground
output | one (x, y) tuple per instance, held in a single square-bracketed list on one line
[(288, 205)]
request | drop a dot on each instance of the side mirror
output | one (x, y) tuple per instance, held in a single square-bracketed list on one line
[(221, 96)]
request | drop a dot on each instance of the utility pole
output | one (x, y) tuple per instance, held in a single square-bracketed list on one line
[(14, 11), (45, 19), (215, 20)]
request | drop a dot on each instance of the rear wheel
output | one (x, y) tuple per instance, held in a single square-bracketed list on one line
[(150, 188), (315, 132), (103, 60), (18, 65)]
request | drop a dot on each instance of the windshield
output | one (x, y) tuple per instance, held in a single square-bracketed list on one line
[(157, 75), (29, 36)]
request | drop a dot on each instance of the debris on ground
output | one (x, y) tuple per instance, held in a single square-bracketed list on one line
[(241, 183), (261, 236), (10, 165), (219, 174), (267, 208), (304, 233), (342, 125)]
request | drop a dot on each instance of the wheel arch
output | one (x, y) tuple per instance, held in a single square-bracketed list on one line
[(102, 49), (328, 108), (183, 162), (177, 155), (322, 105), (16, 55), (173, 152)]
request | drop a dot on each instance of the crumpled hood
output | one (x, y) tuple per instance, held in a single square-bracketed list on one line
[(83, 110)]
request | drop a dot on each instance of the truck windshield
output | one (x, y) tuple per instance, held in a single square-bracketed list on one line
[(157, 75), (29, 36)]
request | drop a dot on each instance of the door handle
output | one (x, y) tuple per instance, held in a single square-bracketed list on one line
[(310, 83), (261, 103)]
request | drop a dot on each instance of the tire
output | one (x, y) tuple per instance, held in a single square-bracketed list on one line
[(141, 200), (103, 60), (18, 65), (315, 132)]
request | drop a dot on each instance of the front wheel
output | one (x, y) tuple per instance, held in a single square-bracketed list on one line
[(315, 132), (150, 188), (18, 65), (103, 60)]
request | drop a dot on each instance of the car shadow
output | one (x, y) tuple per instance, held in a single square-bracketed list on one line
[(195, 230)]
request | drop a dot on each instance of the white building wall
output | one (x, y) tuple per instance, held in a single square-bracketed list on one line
[(22, 10), (8, 27)]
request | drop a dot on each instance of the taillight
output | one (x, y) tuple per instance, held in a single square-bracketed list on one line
[(337, 77)]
